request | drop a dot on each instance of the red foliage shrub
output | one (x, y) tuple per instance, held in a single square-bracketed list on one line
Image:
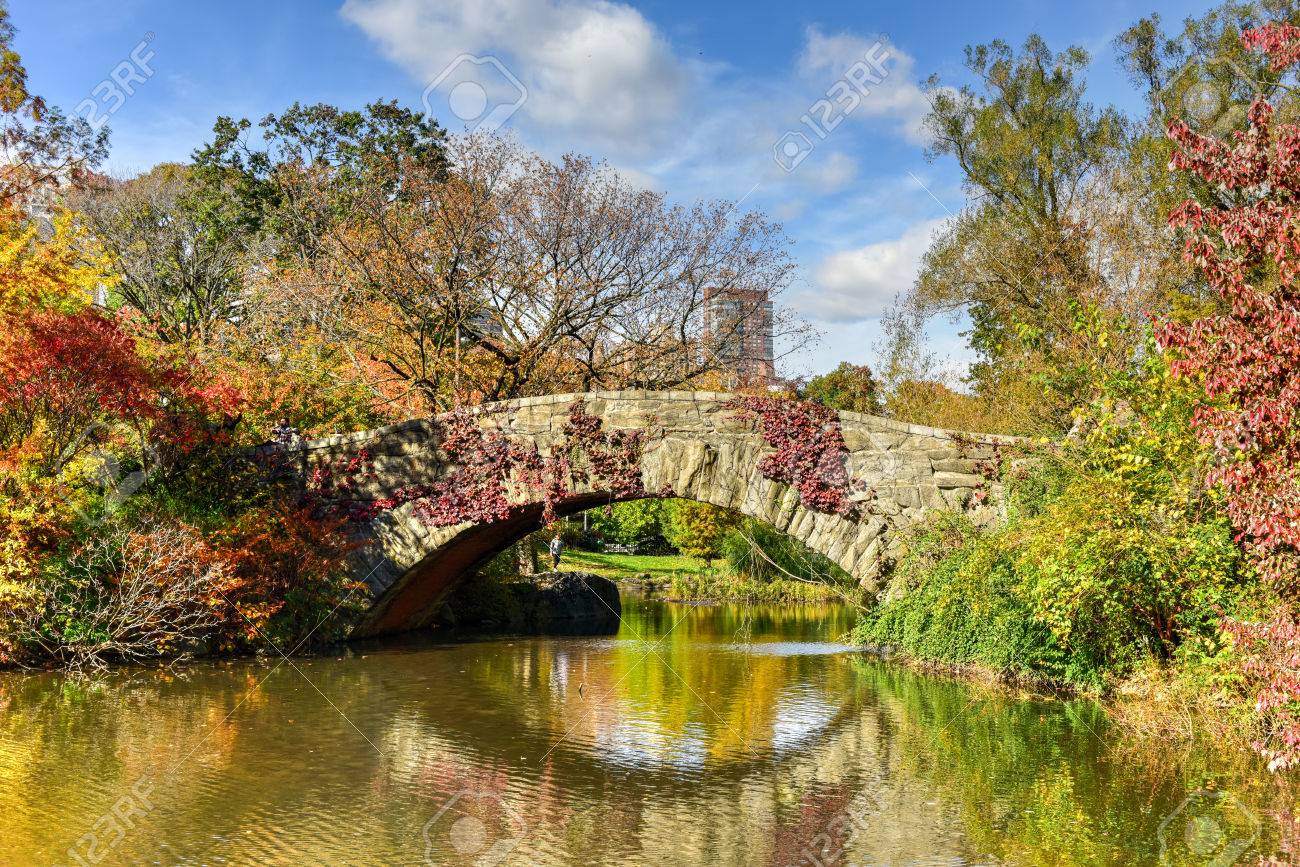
[(287, 577), (62, 373), (67, 371), (1271, 657), (1249, 360), (1249, 357)]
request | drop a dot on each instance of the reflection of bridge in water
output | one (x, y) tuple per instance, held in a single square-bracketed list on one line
[(696, 448), (682, 766), (606, 730), (692, 702), (714, 749)]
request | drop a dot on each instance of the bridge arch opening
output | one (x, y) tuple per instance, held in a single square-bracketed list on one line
[(415, 601), (693, 550)]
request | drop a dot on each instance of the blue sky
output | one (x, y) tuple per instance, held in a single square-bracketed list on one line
[(689, 98)]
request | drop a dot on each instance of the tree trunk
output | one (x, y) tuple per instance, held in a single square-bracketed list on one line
[(526, 556)]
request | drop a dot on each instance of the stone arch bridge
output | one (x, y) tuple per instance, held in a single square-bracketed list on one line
[(696, 446)]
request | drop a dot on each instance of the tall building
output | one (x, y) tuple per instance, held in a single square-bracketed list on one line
[(738, 327)]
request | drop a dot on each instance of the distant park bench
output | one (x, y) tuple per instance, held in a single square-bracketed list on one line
[(622, 549)]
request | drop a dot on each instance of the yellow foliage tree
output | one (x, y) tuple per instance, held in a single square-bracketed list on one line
[(60, 268)]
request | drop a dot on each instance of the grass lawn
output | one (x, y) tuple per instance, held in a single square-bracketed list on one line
[(618, 566), (690, 579)]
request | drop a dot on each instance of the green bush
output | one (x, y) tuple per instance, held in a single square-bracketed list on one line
[(1114, 553), (698, 529), (967, 608), (631, 523)]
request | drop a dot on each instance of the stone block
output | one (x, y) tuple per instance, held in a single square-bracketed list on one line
[(954, 465), (932, 498), (957, 498), (958, 480), (906, 496)]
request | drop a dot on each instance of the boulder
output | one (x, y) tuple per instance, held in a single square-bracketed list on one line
[(549, 603), (569, 603)]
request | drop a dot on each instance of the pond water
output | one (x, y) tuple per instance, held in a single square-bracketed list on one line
[(697, 735)]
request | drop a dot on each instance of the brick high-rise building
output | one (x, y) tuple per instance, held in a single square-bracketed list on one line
[(738, 327)]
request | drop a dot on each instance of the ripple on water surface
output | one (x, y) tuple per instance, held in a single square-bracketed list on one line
[(698, 735)]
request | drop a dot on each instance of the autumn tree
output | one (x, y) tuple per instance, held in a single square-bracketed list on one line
[(60, 268), (611, 282), (46, 260), (66, 376), (849, 386), (1054, 237), (43, 147), (181, 266), (1200, 72), (1249, 356), (398, 282), (513, 275)]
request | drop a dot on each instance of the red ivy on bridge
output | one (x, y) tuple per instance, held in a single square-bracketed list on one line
[(1249, 360), (486, 462), (613, 457), (490, 465), (334, 489), (810, 452)]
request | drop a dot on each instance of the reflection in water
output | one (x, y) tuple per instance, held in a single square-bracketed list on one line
[(720, 735)]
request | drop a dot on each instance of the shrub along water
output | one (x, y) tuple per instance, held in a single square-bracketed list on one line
[(1114, 554)]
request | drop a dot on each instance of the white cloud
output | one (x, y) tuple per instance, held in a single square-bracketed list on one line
[(593, 67), (826, 174), (603, 79), (639, 179), (853, 285), (897, 97)]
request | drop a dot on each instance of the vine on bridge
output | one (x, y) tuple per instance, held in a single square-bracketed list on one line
[(613, 457), (810, 453), (490, 465)]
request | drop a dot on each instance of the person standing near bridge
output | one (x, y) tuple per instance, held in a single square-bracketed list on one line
[(557, 548), (284, 434)]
